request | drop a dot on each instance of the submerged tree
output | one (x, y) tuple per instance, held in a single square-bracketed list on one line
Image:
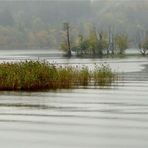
[(111, 44), (97, 42), (102, 44), (142, 40), (121, 42), (92, 46), (66, 29), (82, 46), (144, 47), (92, 40)]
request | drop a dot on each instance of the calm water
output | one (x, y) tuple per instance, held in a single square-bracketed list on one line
[(115, 117)]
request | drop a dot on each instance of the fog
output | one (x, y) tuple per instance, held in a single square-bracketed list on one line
[(38, 24), (74, 73)]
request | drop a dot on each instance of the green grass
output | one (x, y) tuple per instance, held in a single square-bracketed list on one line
[(35, 75)]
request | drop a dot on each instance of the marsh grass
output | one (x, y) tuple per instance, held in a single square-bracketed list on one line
[(35, 75), (103, 75)]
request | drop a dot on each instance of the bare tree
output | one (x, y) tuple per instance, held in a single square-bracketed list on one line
[(111, 42), (142, 40), (67, 28)]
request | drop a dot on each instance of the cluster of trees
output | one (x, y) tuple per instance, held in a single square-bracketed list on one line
[(97, 44)]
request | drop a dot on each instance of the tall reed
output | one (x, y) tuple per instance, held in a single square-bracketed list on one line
[(103, 75), (35, 75)]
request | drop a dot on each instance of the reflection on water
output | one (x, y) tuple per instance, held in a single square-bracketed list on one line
[(114, 117)]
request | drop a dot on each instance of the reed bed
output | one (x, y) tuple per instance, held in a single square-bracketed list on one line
[(103, 75), (35, 75)]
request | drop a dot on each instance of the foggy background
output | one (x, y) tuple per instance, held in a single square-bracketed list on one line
[(26, 24)]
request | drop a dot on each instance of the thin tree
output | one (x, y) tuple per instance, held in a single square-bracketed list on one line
[(142, 40), (111, 42), (67, 28)]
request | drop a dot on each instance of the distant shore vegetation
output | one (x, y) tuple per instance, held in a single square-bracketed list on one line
[(37, 76), (100, 43)]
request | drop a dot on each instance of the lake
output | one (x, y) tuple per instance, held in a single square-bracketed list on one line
[(110, 117)]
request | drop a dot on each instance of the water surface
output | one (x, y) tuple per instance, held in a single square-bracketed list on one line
[(111, 117)]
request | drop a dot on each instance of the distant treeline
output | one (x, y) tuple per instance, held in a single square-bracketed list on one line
[(19, 37), (38, 24)]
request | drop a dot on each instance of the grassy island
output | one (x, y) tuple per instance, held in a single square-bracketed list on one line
[(36, 75)]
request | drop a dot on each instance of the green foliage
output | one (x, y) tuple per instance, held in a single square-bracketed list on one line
[(83, 48), (91, 46), (35, 75), (92, 41), (101, 45), (121, 42)]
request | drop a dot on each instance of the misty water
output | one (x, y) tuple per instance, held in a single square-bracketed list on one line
[(109, 117)]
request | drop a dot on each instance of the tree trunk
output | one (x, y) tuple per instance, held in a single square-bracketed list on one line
[(66, 27)]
